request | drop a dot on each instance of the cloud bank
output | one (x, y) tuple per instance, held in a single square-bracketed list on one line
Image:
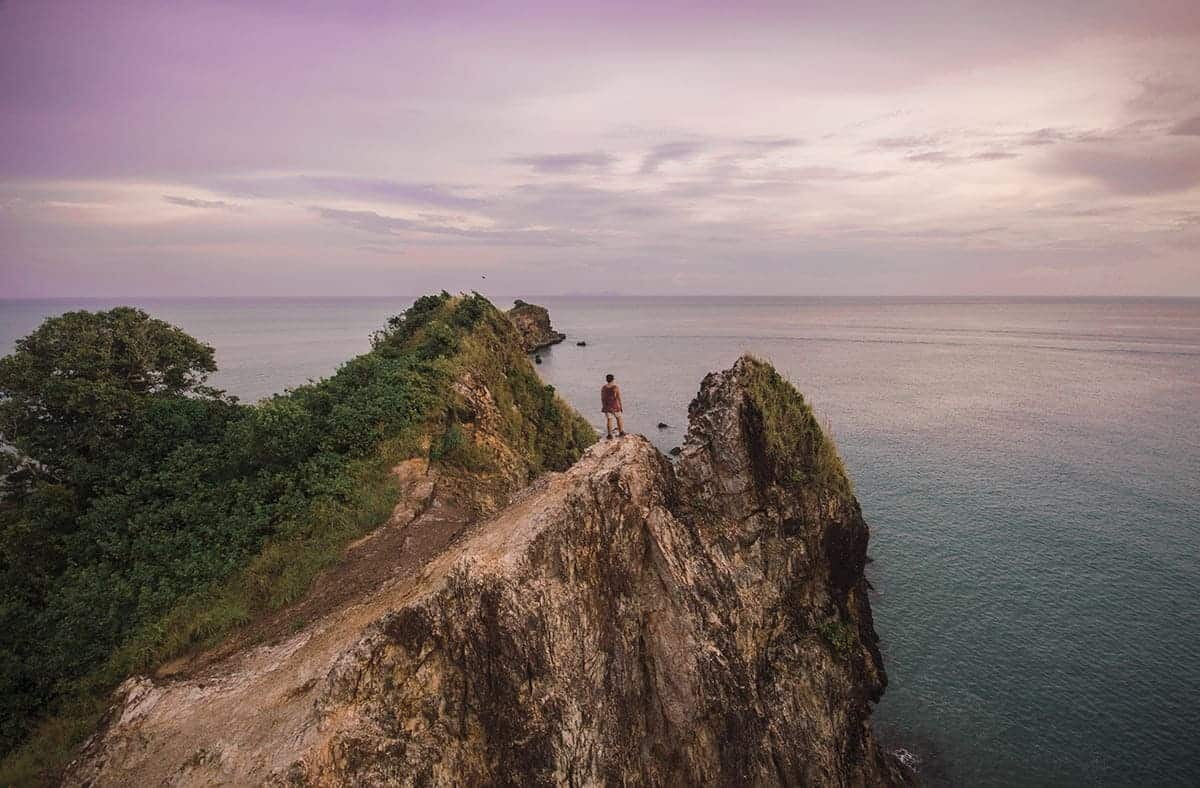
[(863, 147)]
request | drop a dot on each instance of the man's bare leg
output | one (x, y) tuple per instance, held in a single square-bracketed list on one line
[(620, 424), (608, 420)]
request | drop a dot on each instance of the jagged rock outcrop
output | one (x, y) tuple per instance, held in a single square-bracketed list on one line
[(628, 621), (533, 323)]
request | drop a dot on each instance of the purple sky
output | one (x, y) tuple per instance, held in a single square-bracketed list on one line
[(287, 147)]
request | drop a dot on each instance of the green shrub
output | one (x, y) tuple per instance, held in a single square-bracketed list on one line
[(439, 340), (402, 327), (470, 310), (456, 448), (842, 636)]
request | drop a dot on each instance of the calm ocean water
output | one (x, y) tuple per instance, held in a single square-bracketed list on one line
[(1030, 470)]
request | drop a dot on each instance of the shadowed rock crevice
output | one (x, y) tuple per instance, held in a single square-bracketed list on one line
[(628, 621)]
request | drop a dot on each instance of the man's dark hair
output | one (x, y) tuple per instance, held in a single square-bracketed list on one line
[(608, 378)]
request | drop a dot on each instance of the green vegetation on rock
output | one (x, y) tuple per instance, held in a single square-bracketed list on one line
[(841, 636), (146, 516), (796, 447)]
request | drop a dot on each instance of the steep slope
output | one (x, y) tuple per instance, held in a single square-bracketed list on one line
[(626, 621), (217, 536)]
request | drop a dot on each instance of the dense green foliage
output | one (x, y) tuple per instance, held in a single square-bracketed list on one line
[(148, 515), (85, 386), (796, 446), (841, 636)]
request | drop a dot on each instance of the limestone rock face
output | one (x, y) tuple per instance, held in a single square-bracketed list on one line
[(625, 622), (533, 323)]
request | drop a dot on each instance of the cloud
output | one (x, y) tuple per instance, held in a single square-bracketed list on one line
[(368, 221), (730, 179), (582, 205), (1046, 136), (1189, 127), (372, 222), (964, 146), (818, 173), (908, 142), (766, 144), (349, 187), (934, 149), (391, 191), (622, 150), (681, 150), (945, 157), (994, 155), (383, 249), (1134, 172), (1057, 136), (1163, 95), (189, 202), (561, 163), (932, 157), (1074, 211)]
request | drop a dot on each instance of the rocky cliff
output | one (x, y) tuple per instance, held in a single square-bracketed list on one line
[(628, 621), (533, 323)]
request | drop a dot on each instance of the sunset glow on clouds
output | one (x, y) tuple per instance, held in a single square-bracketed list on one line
[(285, 148)]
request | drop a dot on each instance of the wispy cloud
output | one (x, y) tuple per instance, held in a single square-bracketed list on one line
[(387, 190), (1046, 136), (1058, 136), (769, 144), (907, 142), (932, 157), (680, 150), (1163, 95), (1189, 127), (349, 187), (560, 163), (412, 229), (191, 202), (1133, 172), (946, 157), (995, 155), (381, 249)]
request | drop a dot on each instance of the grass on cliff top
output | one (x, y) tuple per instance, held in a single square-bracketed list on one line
[(344, 434), (798, 448)]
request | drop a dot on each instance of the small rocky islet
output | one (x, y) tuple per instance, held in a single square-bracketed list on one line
[(533, 326)]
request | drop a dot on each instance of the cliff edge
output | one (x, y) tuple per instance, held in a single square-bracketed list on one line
[(533, 324), (627, 621)]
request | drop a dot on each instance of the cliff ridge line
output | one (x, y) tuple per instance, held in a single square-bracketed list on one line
[(624, 621)]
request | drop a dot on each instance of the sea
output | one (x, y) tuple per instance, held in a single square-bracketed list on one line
[(1030, 470)]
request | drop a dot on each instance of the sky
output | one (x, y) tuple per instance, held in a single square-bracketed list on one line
[(293, 147)]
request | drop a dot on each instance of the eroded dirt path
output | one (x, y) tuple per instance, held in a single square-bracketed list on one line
[(429, 519)]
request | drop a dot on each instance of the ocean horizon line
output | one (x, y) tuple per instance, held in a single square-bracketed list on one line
[(914, 297)]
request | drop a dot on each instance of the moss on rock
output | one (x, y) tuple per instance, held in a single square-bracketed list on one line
[(797, 448)]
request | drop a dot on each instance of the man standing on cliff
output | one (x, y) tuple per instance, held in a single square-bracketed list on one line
[(610, 406)]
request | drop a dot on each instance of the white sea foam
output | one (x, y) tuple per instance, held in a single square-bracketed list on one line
[(910, 760)]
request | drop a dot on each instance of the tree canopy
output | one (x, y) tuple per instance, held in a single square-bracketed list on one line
[(73, 389)]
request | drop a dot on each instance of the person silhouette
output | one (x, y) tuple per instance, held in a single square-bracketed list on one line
[(610, 406)]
